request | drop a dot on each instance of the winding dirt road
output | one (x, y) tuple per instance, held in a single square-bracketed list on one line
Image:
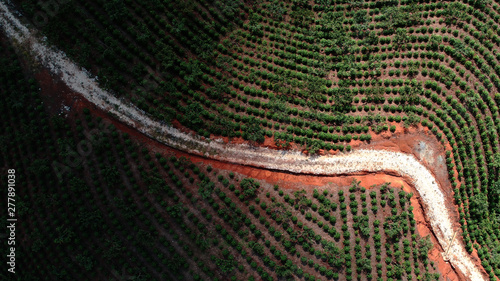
[(293, 161)]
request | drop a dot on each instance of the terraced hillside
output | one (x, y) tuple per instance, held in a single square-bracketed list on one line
[(320, 76)]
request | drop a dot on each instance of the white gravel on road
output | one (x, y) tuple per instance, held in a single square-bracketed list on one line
[(359, 160)]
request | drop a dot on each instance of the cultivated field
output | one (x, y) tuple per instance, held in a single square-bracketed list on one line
[(296, 90)]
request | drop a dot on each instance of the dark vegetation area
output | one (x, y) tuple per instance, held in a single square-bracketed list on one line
[(319, 74)]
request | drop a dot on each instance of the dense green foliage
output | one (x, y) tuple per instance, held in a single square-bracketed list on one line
[(319, 74)]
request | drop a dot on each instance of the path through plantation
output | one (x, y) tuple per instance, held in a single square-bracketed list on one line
[(80, 81)]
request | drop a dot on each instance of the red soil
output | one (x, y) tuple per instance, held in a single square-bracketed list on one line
[(57, 95)]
